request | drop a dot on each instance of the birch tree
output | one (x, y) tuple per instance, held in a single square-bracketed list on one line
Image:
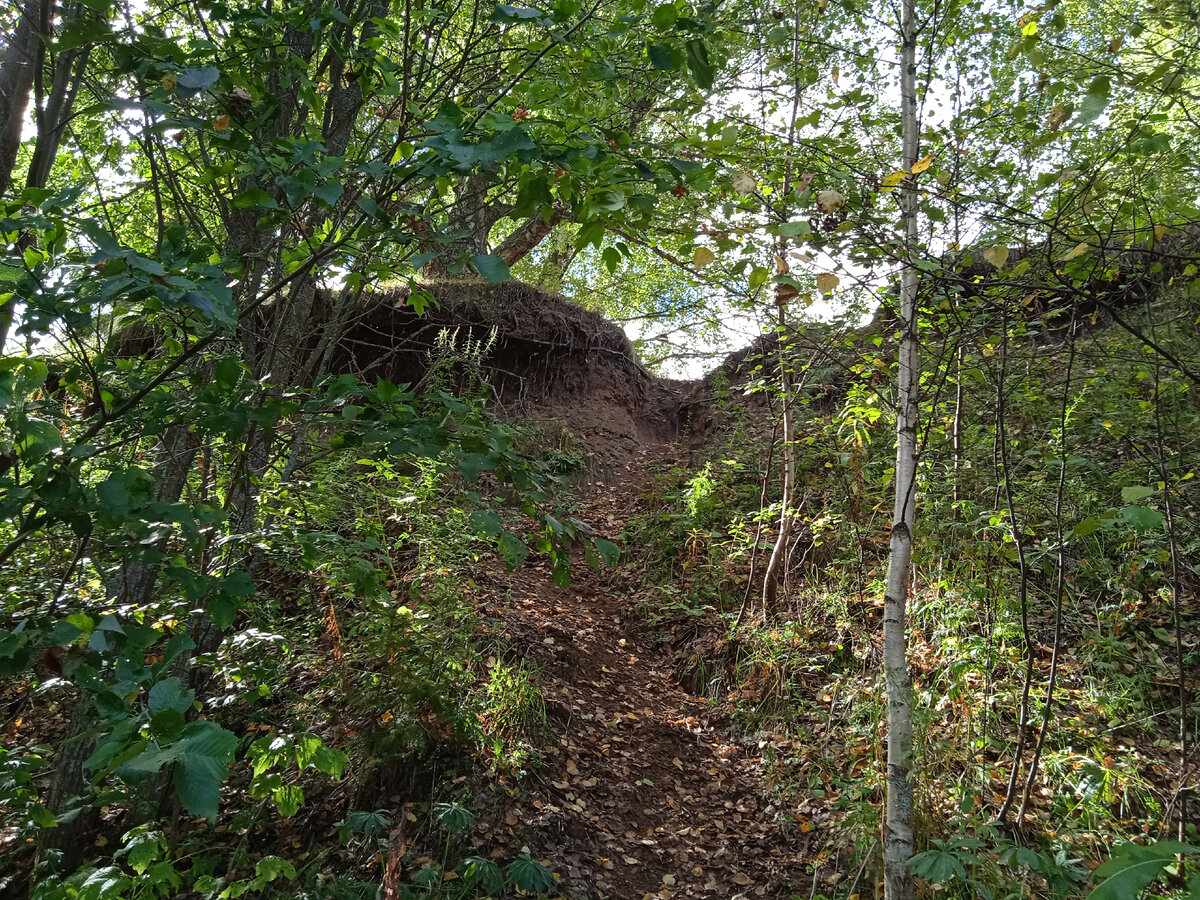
[(898, 831)]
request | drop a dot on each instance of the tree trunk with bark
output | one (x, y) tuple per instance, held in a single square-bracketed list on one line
[(18, 65), (898, 826)]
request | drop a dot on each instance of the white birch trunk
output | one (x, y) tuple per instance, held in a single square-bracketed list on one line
[(898, 828)]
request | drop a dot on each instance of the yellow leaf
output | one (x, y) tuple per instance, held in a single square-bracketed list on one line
[(997, 255), (169, 82), (922, 164), (890, 181), (1159, 231), (1021, 268), (836, 74), (826, 282), (781, 265), (221, 123), (1079, 250), (702, 257)]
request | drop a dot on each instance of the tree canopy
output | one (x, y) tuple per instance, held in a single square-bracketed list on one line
[(966, 230)]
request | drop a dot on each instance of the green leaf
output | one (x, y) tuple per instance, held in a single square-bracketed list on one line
[(1134, 867), (144, 849), (1094, 103), (698, 64), (792, 229), (1142, 518), (607, 200), (485, 523), (513, 549), (454, 817), (938, 866), (484, 875), (493, 268), (1135, 493), (198, 79), (664, 16), (312, 751), (778, 36), (609, 552), (170, 694), (202, 758), (270, 868), (228, 372), (37, 438), (254, 199), (506, 13), (660, 56), (530, 876), (562, 571), (330, 192)]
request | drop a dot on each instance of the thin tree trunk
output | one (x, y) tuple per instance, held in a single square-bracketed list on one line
[(762, 502), (776, 563), (898, 827), (1060, 566), (1023, 570), (958, 420), (1183, 791)]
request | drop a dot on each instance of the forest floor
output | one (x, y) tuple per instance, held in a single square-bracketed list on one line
[(644, 791)]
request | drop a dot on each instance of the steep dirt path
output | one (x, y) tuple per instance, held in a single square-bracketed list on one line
[(643, 793)]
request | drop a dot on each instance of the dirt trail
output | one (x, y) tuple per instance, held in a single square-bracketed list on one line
[(643, 792)]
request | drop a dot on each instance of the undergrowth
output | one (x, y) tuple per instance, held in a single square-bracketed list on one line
[(804, 681)]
